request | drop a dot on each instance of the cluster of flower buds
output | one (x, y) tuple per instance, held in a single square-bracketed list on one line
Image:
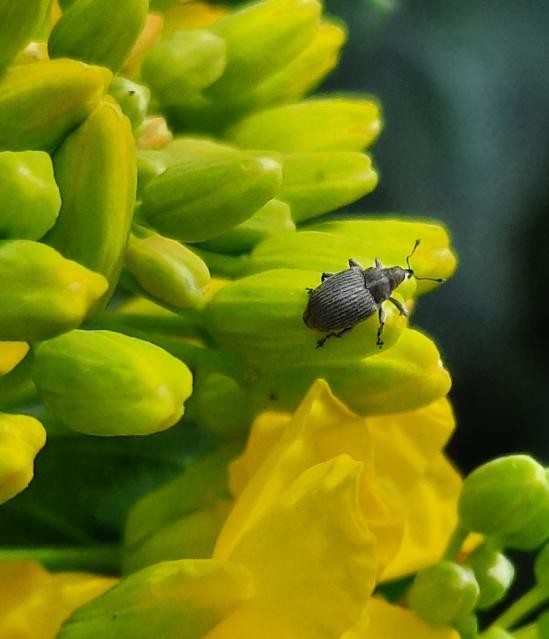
[(507, 502)]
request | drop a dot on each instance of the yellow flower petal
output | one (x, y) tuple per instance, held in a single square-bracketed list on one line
[(11, 353), (430, 506), (387, 621), (21, 437), (35, 603), (312, 556)]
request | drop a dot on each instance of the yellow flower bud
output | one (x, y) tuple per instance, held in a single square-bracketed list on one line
[(21, 437), (106, 383), (321, 124)]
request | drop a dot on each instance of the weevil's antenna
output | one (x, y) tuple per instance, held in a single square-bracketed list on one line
[(411, 254), (431, 279)]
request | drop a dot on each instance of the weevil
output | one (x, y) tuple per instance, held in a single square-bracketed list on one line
[(342, 300)]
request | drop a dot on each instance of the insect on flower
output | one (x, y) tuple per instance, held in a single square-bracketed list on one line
[(344, 299)]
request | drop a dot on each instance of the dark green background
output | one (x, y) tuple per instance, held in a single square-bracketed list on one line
[(465, 91)]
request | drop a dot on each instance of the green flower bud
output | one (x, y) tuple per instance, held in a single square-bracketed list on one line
[(508, 498), (98, 31), (321, 124), (162, 600), (211, 189), (165, 270), (182, 518), (260, 317), (149, 164), (183, 65), (44, 294), (273, 217), (494, 574), (541, 568), (305, 71), (402, 378), (262, 38), (443, 594), (132, 98), (315, 183), (66, 91), (391, 241), (105, 383), (542, 625), (29, 195), (18, 22), (220, 404), (21, 438), (96, 172)]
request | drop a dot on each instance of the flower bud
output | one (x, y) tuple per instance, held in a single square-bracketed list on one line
[(260, 317), (132, 98), (29, 195), (21, 437), (467, 626), (443, 594), (262, 38), (273, 217), (494, 574), (183, 65), (44, 294), (18, 22), (106, 383), (303, 72), (11, 353), (211, 189), (163, 599), (165, 270), (404, 377), (541, 568), (508, 498), (321, 124), (315, 183), (66, 91), (98, 32)]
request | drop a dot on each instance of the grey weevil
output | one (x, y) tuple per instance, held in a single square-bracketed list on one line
[(344, 299)]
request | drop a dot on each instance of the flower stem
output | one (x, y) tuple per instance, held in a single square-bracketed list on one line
[(456, 542), (521, 608), (102, 559), (527, 632)]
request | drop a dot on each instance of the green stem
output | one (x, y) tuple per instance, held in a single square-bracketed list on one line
[(527, 632), (456, 542), (101, 559), (522, 607)]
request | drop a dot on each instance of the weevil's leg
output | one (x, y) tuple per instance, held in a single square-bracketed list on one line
[(354, 263), (345, 330), (309, 290), (378, 263), (402, 309), (322, 341), (325, 276), (381, 314)]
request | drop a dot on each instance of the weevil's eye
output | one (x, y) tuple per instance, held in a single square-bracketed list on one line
[(409, 273)]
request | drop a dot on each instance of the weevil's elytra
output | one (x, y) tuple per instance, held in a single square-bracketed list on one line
[(342, 300)]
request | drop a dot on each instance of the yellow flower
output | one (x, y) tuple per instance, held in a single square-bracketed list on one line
[(35, 602), (327, 504)]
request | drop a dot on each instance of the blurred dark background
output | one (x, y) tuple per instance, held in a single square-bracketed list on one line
[(465, 93)]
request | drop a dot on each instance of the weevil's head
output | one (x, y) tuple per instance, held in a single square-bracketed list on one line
[(396, 275), (409, 272)]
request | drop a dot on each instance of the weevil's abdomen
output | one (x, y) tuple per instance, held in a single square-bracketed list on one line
[(341, 301)]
